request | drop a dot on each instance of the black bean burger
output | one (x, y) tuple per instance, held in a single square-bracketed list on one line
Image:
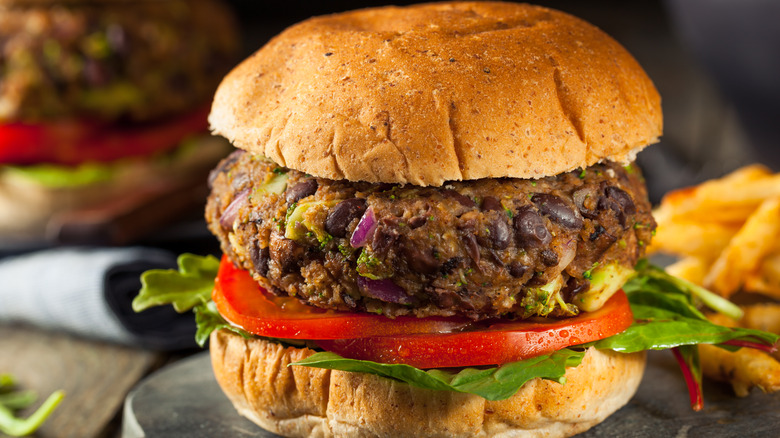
[(103, 100), (461, 165), (434, 228)]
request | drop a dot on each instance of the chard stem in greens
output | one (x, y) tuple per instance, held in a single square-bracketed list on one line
[(11, 425), (758, 346), (689, 366)]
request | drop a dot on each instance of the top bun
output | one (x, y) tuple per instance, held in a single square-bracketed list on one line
[(437, 92)]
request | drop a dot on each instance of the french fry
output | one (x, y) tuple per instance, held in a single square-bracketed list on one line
[(727, 232), (745, 251), (755, 282), (763, 316), (692, 269), (744, 369), (702, 240), (730, 199)]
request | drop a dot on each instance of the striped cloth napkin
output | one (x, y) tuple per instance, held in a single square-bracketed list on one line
[(88, 292)]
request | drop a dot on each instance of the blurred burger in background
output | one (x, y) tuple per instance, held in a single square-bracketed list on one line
[(103, 109)]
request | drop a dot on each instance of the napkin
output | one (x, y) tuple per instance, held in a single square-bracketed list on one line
[(88, 292)]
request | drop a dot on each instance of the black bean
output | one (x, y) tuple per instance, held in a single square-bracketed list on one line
[(573, 288), (491, 203), (622, 198), (301, 190), (385, 237), (500, 234), (619, 202), (598, 230), (549, 257), (449, 266), (260, 258), (276, 290), (529, 228), (419, 260), (471, 246), (340, 216), (538, 279), (517, 269), (557, 210), (417, 222), (462, 199), (286, 253)]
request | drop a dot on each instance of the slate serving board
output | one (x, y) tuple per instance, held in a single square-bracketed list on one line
[(183, 400)]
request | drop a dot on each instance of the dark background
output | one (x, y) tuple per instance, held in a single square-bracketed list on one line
[(716, 64)]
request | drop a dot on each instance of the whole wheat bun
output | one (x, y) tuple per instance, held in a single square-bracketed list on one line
[(311, 402), (437, 92)]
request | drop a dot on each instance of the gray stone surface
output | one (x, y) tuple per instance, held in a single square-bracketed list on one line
[(183, 400)]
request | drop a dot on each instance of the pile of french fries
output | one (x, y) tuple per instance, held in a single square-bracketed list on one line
[(726, 233)]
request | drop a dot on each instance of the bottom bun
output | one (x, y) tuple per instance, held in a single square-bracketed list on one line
[(312, 402)]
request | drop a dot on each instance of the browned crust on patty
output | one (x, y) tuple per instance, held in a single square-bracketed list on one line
[(462, 249)]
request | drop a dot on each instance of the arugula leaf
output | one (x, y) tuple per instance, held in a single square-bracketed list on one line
[(659, 329), (18, 399), (186, 288), (664, 311), (208, 319), (492, 384), (11, 400), (665, 317)]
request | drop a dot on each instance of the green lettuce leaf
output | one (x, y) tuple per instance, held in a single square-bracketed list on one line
[(665, 317), (53, 175), (659, 329), (496, 383), (208, 319), (186, 288), (12, 400), (664, 309)]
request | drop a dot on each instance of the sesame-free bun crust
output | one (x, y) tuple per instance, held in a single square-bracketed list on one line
[(436, 92), (298, 401)]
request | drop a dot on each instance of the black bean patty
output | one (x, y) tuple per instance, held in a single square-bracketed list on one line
[(472, 248), (112, 60)]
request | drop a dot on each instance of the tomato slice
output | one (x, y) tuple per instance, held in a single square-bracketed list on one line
[(420, 342), (246, 304), (71, 142), (499, 343)]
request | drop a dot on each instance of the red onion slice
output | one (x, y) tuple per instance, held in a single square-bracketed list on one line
[(364, 229), (383, 290), (231, 212)]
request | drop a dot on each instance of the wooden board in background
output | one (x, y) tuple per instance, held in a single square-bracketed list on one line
[(96, 377)]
